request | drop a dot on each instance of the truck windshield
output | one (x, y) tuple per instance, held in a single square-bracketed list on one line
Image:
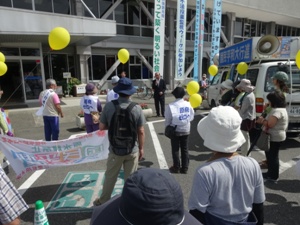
[(294, 86), (250, 75)]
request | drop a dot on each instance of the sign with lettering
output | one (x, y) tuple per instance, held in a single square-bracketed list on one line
[(241, 52), (29, 155), (159, 36), (180, 39), (216, 29)]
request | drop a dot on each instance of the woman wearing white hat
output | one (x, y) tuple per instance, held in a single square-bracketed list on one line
[(229, 187)]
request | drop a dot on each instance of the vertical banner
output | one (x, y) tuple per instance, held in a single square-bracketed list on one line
[(196, 42), (199, 38), (159, 36), (180, 39), (216, 29)]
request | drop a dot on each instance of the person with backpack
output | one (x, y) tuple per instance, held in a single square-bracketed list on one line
[(124, 121)]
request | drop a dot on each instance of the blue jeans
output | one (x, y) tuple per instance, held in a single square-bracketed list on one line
[(51, 127)]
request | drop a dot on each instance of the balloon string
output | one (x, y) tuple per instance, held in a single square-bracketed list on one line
[(23, 81)]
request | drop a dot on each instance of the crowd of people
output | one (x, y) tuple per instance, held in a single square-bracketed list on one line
[(227, 189)]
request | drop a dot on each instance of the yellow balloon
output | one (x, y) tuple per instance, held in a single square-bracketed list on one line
[(195, 100), (242, 68), (192, 87), (3, 68), (58, 38), (123, 55), (298, 59), (2, 57), (213, 70)]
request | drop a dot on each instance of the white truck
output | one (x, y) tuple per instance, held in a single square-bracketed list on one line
[(265, 56)]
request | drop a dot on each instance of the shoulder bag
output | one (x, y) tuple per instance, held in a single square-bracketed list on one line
[(170, 131), (263, 142)]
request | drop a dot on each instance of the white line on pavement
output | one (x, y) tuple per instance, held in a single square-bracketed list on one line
[(284, 165), (159, 152), (27, 184)]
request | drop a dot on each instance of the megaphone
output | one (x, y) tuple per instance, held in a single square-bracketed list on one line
[(267, 45)]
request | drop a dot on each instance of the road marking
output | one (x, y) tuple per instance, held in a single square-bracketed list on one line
[(159, 152), (27, 184)]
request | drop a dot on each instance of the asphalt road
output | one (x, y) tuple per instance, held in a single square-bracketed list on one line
[(282, 204)]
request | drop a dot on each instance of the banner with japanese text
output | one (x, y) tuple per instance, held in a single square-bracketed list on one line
[(216, 29), (199, 38), (159, 36), (180, 39), (29, 155)]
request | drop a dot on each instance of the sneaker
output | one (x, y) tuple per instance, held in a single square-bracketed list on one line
[(268, 178), (174, 169), (183, 170), (97, 202)]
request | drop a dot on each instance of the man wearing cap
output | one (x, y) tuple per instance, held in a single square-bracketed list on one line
[(90, 104), (159, 88), (111, 95), (149, 197), (228, 187), (50, 110), (114, 162)]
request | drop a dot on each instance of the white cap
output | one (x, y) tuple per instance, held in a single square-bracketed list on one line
[(114, 79)]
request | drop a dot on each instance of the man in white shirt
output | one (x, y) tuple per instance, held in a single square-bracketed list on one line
[(111, 95)]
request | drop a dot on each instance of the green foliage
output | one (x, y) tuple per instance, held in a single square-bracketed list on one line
[(72, 82)]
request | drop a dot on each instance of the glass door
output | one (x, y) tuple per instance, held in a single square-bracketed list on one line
[(32, 78), (11, 83)]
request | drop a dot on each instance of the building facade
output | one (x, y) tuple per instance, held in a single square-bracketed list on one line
[(99, 28)]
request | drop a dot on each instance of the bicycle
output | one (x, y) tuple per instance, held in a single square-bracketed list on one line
[(144, 92)]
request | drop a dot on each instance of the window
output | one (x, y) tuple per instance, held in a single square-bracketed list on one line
[(43, 5), (97, 68), (30, 52), (250, 75), (104, 6), (6, 3), (23, 4), (93, 6)]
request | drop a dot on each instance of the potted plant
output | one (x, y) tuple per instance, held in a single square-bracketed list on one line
[(146, 110), (80, 120)]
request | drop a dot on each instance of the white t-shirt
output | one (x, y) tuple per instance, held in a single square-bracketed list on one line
[(227, 188), (278, 132)]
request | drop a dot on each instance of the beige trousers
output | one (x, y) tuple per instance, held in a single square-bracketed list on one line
[(113, 167)]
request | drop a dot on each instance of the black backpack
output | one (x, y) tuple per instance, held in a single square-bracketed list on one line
[(122, 131)]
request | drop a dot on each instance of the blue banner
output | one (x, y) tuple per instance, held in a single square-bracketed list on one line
[(216, 29), (180, 39), (196, 42), (241, 52), (199, 38)]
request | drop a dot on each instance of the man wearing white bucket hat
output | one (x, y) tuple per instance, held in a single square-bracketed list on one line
[(228, 188)]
